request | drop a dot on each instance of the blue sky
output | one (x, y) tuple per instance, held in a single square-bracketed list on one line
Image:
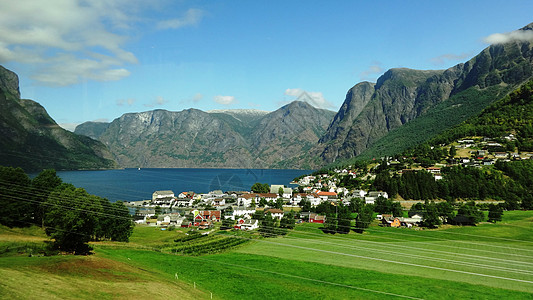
[(98, 59)]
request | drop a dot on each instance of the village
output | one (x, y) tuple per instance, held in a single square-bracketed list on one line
[(244, 208)]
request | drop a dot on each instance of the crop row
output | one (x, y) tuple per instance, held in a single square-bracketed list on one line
[(213, 245)]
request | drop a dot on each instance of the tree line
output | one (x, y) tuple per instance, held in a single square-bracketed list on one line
[(508, 181), (70, 216)]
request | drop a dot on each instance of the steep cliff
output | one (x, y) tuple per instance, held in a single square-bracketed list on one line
[(31, 139)]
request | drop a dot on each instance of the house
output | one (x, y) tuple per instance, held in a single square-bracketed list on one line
[(376, 194), (161, 195), (219, 202), (500, 154), (297, 198), (325, 196), (239, 211), (316, 218), (186, 224), (269, 196), (205, 225), (183, 202), (359, 193), (314, 199), (249, 224), (276, 213), (391, 222), (211, 215), (409, 222), (287, 192)]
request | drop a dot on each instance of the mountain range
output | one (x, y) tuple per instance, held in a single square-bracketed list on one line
[(402, 109), (215, 139), (406, 107)]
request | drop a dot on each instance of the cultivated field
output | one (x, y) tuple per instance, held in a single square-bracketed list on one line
[(489, 261)]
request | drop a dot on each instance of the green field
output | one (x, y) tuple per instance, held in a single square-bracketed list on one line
[(488, 261)]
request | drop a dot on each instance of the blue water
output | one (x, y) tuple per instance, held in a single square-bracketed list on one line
[(134, 184)]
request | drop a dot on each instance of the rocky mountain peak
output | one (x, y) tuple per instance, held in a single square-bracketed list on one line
[(9, 82)]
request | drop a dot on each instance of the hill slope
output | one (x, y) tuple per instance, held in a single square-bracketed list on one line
[(31, 139)]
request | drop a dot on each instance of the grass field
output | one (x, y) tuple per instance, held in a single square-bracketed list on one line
[(489, 261)]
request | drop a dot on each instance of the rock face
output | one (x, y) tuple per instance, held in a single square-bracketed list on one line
[(31, 139), (403, 96), (196, 139)]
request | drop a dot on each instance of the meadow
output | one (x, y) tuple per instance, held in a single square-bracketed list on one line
[(488, 261)]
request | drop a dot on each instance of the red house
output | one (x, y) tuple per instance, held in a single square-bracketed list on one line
[(315, 218)]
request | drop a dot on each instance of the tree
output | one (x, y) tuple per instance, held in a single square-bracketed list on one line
[(280, 191), (330, 226), (260, 187), (445, 211), (305, 205), (42, 185), (364, 218), (157, 211), (267, 226), (121, 224), (70, 219), (431, 215), (356, 203), (495, 213), (228, 223), (279, 203), (287, 221), (471, 211), (343, 219), (73, 218), (16, 208), (452, 151)]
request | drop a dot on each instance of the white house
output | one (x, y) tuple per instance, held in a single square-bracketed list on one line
[(249, 224), (314, 199), (158, 195), (276, 213), (240, 211), (287, 192)]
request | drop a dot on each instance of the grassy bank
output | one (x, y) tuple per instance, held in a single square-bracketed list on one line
[(488, 261)]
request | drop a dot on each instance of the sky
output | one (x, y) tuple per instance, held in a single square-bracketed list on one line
[(96, 60)]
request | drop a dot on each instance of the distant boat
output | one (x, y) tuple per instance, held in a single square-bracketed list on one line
[(139, 169)]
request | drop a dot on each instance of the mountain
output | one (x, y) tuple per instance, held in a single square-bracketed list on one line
[(406, 107), (31, 139), (223, 138)]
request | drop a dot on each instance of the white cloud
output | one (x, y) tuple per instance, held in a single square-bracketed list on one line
[(501, 38), (191, 17), (442, 59), (224, 100), (194, 99), (69, 126), (66, 42), (129, 102), (372, 72), (158, 101), (315, 99)]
